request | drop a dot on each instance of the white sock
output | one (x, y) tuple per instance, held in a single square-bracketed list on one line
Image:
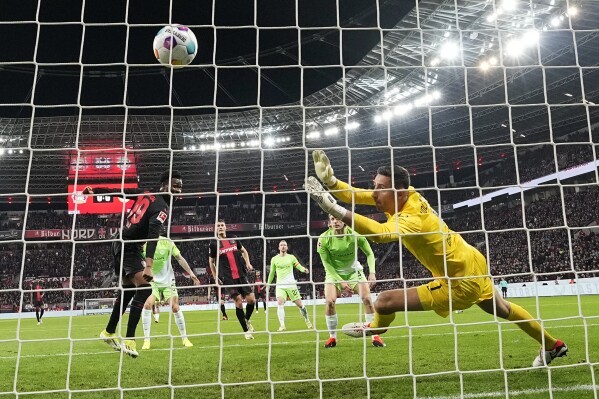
[(146, 321), (332, 325), (281, 314), (157, 316), (180, 321)]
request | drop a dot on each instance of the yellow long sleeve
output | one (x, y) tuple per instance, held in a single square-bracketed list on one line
[(349, 194)]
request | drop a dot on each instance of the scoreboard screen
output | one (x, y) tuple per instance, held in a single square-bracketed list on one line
[(98, 204)]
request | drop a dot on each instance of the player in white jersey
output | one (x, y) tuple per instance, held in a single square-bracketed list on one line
[(282, 265), (163, 286)]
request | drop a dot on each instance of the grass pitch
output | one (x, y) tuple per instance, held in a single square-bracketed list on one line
[(426, 357)]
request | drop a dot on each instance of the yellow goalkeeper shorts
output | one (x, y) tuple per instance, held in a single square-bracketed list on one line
[(463, 293)]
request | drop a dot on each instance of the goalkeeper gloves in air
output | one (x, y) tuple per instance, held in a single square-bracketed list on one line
[(323, 168), (323, 198)]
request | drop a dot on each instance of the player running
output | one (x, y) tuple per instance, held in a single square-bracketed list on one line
[(282, 266), (164, 288), (233, 273), (461, 272), (144, 222), (337, 250)]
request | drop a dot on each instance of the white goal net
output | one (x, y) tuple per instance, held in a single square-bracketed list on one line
[(489, 105)]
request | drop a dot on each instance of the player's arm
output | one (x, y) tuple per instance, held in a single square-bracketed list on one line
[(245, 256), (370, 260), (185, 266), (271, 277), (212, 263), (157, 219), (298, 265)]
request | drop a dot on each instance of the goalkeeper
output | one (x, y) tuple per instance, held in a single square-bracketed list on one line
[(460, 271), (337, 250), (163, 287)]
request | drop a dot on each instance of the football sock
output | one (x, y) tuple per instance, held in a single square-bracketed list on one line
[(137, 304), (120, 305), (332, 325), (248, 311), (256, 305), (37, 315), (146, 322), (531, 327), (241, 318), (382, 320), (180, 321), (41, 314), (281, 314), (264, 304), (223, 311), (304, 312)]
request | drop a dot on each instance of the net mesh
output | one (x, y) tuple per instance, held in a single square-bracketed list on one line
[(489, 105)]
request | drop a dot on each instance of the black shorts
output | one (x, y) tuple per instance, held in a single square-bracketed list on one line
[(133, 260), (504, 289), (259, 294), (237, 286), (38, 304)]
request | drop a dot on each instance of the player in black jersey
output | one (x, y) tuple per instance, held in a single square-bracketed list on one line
[(233, 265), (260, 292), (144, 222)]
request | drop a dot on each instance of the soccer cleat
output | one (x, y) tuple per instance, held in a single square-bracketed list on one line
[(377, 342), (308, 324), (39, 323), (250, 326), (225, 318), (560, 349), (129, 347), (282, 328), (358, 330), (187, 343), (110, 339), (146, 344), (331, 343), (248, 335)]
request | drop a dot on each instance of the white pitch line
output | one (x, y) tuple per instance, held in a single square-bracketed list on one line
[(571, 388), (245, 345)]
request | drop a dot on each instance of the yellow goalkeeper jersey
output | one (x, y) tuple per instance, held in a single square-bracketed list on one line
[(421, 230)]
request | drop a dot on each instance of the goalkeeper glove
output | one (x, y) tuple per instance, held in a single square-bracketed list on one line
[(323, 168), (323, 198)]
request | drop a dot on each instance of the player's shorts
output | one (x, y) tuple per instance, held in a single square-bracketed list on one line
[(133, 260), (288, 291), (164, 293), (464, 293), (38, 304), (260, 294), (237, 286), (352, 279), (503, 289)]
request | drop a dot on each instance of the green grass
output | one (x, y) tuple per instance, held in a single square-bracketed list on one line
[(422, 358)]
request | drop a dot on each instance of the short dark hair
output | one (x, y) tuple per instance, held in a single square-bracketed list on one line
[(221, 221), (167, 175), (400, 176)]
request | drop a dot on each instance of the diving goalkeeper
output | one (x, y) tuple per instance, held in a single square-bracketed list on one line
[(459, 285)]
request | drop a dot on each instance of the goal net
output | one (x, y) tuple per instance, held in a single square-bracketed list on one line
[(489, 105)]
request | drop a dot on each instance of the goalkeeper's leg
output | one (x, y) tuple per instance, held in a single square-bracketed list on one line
[(389, 302)]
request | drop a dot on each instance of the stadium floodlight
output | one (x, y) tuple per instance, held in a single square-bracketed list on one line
[(402, 109), (572, 11), (436, 94), (331, 131), (269, 141), (449, 50), (555, 22), (387, 115), (484, 65), (352, 125), (493, 60), (10, 151), (378, 118), (531, 37), (509, 5), (514, 48), (435, 61), (491, 17)]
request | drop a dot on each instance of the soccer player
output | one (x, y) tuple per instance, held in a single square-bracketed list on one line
[(144, 222), (503, 285), (233, 273), (39, 303), (460, 270), (260, 292), (282, 266), (164, 288), (337, 250)]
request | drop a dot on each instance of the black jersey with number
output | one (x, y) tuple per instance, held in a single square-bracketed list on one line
[(145, 219), (230, 262)]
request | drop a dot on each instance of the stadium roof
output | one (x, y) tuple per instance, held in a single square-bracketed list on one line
[(432, 81)]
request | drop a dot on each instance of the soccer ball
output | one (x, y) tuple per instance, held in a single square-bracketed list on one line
[(175, 45)]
